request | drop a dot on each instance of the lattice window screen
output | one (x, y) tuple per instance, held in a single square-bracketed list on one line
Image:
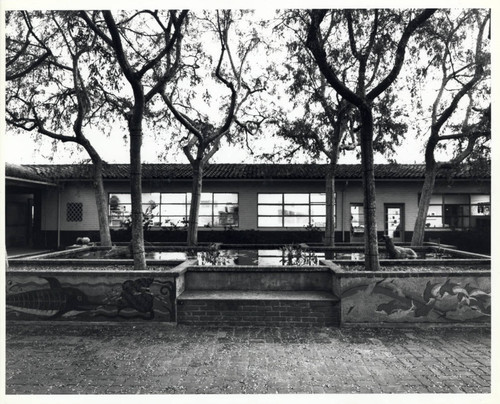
[(74, 212)]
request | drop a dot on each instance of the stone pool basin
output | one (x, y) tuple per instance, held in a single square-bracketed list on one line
[(253, 254), (60, 287)]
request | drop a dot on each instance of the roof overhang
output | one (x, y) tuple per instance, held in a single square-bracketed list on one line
[(27, 182)]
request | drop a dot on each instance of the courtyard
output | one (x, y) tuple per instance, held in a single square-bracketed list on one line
[(86, 358)]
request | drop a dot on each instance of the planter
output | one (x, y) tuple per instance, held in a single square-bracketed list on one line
[(112, 293), (396, 297)]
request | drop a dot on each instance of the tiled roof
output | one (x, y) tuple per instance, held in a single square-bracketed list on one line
[(245, 171), (23, 173)]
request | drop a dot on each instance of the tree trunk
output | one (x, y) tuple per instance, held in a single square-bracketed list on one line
[(100, 194), (102, 205), (136, 196), (369, 197), (423, 205), (330, 206), (192, 236)]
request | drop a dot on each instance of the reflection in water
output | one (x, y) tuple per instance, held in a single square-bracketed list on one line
[(257, 257), (290, 255)]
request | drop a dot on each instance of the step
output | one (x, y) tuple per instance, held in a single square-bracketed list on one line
[(258, 307)]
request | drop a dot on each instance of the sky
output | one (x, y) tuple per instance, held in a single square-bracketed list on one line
[(21, 148)]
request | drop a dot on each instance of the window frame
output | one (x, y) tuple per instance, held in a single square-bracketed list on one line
[(283, 204), (362, 214), (465, 219), (186, 204)]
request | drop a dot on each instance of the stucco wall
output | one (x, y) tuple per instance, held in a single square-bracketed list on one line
[(404, 192)]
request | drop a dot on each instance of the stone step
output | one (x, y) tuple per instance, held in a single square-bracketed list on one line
[(257, 307), (256, 295)]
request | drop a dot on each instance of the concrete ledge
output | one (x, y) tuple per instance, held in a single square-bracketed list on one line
[(257, 268), (257, 295)]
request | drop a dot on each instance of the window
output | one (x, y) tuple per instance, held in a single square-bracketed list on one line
[(120, 209), (74, 212), (291, 210), (457, 211), (172, 209), (357, 219)]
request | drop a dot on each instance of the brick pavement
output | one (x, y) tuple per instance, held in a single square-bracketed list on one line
[(74, 358)]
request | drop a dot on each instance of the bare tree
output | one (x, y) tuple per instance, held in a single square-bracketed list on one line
[(204, 137), (47, 92), (461, 74), (370, 34), (138, 52), (326, 125)]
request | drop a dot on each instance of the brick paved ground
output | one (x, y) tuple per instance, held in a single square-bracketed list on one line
[(112, 359)]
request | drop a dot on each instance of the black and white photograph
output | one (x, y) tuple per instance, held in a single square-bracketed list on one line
[(247, 201)]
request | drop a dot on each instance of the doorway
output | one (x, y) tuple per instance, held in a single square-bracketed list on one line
[(394, 221)]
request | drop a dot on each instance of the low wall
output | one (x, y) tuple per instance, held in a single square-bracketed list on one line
[(259, 312), (278, 278), (117, 294), (37, 290), (374, 298)]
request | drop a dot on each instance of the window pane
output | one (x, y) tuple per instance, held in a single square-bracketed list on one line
[(150, 208), (294, 210), (318, 221), (318, 210), (155, 221), (154, 196), (224, 208), (435, 210), (296, 221), (176, 220), (356, 210), (121, 210), (456, 199), (266, 221), (270, 198), (173, 198), (204, 220), (454, 215), (480, 205), (206, 197), (456, 210), (434, 221), (226, 219), (296, 198), (475, 199), (270, 210), (481, 209), (225, 198), (205, 210), (436, 199), (318, 198), (118, 220), (173, 210), (393, 212), (357, 218), (119, 198)]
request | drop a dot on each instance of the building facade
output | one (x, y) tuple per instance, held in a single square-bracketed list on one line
[(52, 205)]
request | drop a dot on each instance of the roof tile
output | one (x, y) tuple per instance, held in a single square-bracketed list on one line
[(244, 171)]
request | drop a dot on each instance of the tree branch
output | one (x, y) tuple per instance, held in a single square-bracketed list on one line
[(400, 53), (95, 28)]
